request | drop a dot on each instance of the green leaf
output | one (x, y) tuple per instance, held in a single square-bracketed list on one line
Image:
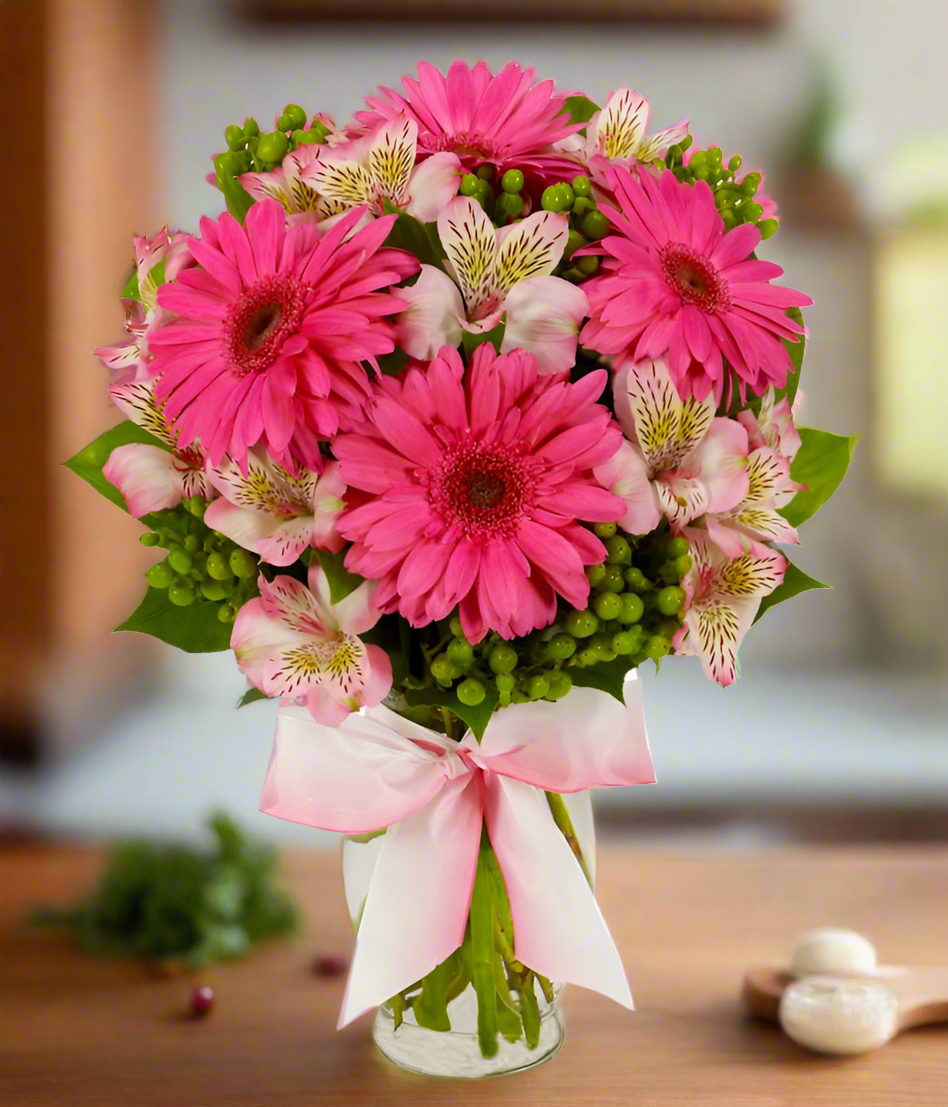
[(795, 581), (607, 676), (472, 341), (392, 364), (430, 1007), (476, 717), (580, 109), (796, 350), (341, 581), (130, 291), (820, 465), (409, 234), (88, 462), (251, 696), (194, 629), (238, 199), (482, 956)]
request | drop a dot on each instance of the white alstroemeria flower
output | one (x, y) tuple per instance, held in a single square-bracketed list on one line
[(285, 184), (504, 275), (149, 477), (722, 595), (272, 512), (379, 168)]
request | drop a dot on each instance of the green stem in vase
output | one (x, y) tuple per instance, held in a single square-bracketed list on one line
[(482, 955), (565, 826)]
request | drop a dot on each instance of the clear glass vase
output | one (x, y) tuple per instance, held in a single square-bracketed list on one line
[(456, 1052)]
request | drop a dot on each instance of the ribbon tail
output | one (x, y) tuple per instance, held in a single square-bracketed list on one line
[(418, 899), (559, 930)]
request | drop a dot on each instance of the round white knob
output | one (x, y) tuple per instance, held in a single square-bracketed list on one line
[(832, 951), (833, 1015)]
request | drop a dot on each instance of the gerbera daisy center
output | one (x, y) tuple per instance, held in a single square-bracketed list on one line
[(257, 323), (694, 279), (484, 489)]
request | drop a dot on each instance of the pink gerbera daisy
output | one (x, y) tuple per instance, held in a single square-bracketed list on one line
[(272, 330), (678, 285), (504, 120), (475, 484)]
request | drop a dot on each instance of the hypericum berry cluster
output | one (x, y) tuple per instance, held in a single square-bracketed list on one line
[(249, 150), (734, 199), (501, 205), (202, 565), (586, 224), (635, 601), (520, 671)]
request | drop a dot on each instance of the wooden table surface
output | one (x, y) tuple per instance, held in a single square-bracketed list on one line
[(81, 1033)]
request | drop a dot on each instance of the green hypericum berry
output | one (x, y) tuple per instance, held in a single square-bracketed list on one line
[(750, 184), (295, 115), (197, 506), (180, 559), (618, 550), (218, 566), (588, 656), (537, 687), (676, 547), (510, 204), (242, 564), (569, 196), (272, 147), (657, 647), (225, 613), (455, 627), (554, 198), (519, 696), (735, 163), (574, 241), (502, 658), (624, 642), (751, 211), (469, 184), (613, 580), (581, 205), (683, 564), (668, 628), (595, 225), (160, 575), (471, 692), (604, 530), (250, 127), (607, 605), (669, 600), (512, 181), (595, 574), (234, 137), (211, 590), (192, 543), (460, 652), (149, 538), (587, 265), (283, 123), (505, 682), (559, 684), (635, 579), (181, 593), (632, 608), (582, 186), (768, 228), (485, 172), (441, 669), (581, 624), (602, 644), (561, 646)]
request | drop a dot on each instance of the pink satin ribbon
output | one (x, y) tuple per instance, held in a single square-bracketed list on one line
[(380, 770)]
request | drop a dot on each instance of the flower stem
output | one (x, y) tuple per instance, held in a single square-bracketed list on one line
[(565, 826)]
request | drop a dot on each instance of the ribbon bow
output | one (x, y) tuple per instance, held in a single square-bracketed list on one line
[(378, 770)]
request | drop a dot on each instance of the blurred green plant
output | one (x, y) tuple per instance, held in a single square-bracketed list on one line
[(175, 904)]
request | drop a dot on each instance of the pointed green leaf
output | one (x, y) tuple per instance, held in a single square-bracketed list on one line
[(476, 717), (409, 234), (130, 291), (795, 581), (431, 1005), (194, 629), (251, 696), (341, 581), (607, 676), (88, 462), (820, 465), (472, 341), (580, 109)]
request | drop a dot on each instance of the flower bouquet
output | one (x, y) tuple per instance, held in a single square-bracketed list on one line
[(457, 415)]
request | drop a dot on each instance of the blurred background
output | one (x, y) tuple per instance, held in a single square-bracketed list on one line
[(838, 729)]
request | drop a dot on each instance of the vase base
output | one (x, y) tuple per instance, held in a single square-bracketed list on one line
[(456, 1053)]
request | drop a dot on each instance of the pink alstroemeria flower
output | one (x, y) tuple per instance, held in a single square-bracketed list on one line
[(273, 513), (151, 478), (380, 167), (285, 184), (293, 642), (722, 596), (679, 460), (128, 360), (504, 275), (773, 443)]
